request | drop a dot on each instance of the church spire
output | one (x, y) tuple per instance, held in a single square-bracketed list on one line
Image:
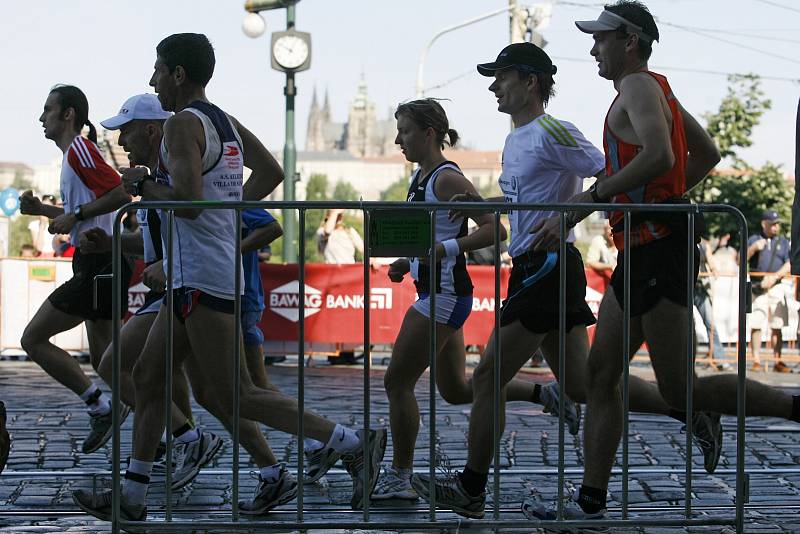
[(326, 107), (314, 105)]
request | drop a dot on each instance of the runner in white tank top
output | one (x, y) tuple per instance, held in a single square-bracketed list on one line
[(205, 323), (422, 131)]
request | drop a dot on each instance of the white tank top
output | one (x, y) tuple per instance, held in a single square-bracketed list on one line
[(204, 249), (453, 277)]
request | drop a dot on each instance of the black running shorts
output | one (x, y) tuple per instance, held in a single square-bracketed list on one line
[(658, 269), (76, 295), (536, 306)]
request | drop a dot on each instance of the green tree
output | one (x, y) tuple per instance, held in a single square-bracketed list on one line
[(18, 233), (345, 191), (20, 182), (396, 192), (732, 125), (750, 190), (316, 189)]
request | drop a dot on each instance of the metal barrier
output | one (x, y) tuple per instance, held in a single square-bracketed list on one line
[(433, 523)]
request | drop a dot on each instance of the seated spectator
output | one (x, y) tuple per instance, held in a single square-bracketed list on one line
[(337, 242), (28, 251)]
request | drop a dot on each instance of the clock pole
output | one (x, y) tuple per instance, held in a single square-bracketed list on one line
[(289, 158)]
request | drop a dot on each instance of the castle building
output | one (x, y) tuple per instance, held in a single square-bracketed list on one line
[(363, 135)]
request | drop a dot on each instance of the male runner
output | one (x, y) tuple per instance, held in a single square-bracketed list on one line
[(205, 151), (544, 160), (91, 191), (655, 152)]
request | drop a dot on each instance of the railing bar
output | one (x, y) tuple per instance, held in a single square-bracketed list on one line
[(237, 355), (367, 365), (301, 347), (689, 361), (626, 351), (432, 370), (170, 356), (498, 356), (562, 355), (116, 325)]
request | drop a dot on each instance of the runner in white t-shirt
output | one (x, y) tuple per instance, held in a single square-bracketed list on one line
[(544, 161), (91, 191)]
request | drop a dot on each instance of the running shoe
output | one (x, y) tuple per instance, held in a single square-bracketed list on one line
[(101, 429), (355, 463), (394, 484), (99, 505), (270, 493), (572, 411), (196, 455), (707, 435), (451, 495), (159, 471), (5, 438), (318, 463), (537, 511)]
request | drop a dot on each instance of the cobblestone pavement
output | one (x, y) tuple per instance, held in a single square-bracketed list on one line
[(48, 425)]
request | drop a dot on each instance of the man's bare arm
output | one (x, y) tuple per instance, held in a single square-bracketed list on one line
[(266, 172), (261, 237), (107, 203), (703, 153), (640, 99), (184, 139)]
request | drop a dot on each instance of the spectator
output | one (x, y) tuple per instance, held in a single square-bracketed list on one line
[(336, 242), (602, 254), (703, 302), (28, 251), (40, 236), (769, 253)]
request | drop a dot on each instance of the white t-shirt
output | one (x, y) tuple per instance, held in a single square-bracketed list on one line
[(47, 243), (341, 246), (544, 161)]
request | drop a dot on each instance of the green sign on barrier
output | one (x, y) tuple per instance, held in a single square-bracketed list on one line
[(399, 233)]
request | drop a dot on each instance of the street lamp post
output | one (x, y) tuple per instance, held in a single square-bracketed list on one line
[(291, 53)]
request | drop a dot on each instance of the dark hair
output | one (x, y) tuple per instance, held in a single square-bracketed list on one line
[(70, 96), (637, 13), (544, 81), (192, 51), (428, 113)]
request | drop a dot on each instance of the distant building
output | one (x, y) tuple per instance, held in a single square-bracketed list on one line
[(363, 135), (9, 170)]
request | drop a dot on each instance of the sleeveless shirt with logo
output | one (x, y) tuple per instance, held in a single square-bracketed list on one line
[(671, 184), (452, 276), (204, 249)]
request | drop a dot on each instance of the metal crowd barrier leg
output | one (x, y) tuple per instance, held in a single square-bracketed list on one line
[(116, 320), (741, 477), (170, 354), (562, 355), (301, 348), (690, 244), (432, 370), (367, 366), (496, 433), (626, 356), (237, 364)]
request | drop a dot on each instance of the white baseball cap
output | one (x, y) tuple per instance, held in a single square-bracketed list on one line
[(146, 107), (610, 21)]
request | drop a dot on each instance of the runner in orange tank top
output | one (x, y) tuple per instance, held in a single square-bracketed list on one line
[(655, 152)]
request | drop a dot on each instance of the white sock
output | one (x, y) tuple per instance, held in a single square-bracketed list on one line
[(135, 491), (343, 439), (190, 435), (311, 445), (97, 402), (164, 437), (271, 473)]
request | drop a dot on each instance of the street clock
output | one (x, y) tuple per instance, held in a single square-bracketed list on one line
[(291, 51)]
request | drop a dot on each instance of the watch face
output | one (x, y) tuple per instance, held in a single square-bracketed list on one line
[(290, 51)]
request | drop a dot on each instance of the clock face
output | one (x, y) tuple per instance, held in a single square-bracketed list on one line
[(290, 51)]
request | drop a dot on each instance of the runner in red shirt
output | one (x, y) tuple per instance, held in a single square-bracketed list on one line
[(91, 192), (655, 152)]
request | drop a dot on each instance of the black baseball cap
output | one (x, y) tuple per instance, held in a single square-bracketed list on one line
[(522, 56), (771, 216)]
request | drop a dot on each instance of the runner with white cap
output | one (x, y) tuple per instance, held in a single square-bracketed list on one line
[(91, 191), (655, 151)]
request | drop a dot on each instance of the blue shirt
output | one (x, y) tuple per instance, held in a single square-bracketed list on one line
[(763, 261), (253, 299)]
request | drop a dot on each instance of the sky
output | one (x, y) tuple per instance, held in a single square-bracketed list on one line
[(107, 48)]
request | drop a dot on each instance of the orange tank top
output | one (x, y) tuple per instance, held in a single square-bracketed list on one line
[(671, 184)]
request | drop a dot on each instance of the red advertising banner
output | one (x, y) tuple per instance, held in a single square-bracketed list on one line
[(334, 302)]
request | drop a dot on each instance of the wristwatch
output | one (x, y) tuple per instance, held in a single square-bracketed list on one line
[(78, 212), (596, 197), (136, 187)]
